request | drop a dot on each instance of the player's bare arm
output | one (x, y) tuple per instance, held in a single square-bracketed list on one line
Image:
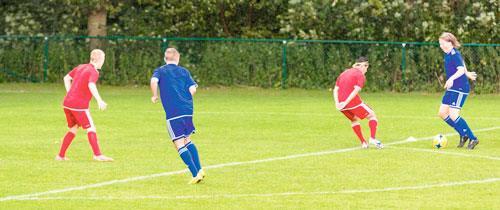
[(192, 89), (470, 74), (154, 89), (351, 96), (67, 82), (449, 83), (93, 89), (336, 98)]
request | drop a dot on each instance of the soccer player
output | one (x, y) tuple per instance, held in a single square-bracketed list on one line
[(80, 87), (347, 100), (457, 89), (177, 88)]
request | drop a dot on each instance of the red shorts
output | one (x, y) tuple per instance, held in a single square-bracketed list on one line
[(360, 111), (81, 118)]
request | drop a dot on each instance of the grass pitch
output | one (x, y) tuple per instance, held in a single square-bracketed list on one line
[(262, 148)]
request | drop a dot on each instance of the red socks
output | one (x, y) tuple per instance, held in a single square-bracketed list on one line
[(93, 143), (373, 128), (68, 138), (357, 130)]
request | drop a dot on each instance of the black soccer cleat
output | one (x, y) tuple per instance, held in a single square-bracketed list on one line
[(472, 144), (463, 140)]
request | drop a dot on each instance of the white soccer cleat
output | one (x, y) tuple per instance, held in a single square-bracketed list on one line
[(59, 158), (102, 158), (364, 145), (377, 143)]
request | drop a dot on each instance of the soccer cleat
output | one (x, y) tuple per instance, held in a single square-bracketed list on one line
[(364, 145), (202, 172), (463, 140), (472, 144), (102, 158), (59, 158), (377, 143), (197, 179)]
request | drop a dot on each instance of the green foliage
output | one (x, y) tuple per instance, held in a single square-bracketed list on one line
[(392, 20), (310, 65), (250, 62)]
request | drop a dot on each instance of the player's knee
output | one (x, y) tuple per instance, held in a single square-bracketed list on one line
[(91, 129), (372, 116), (442, 114), (73, 129), (453, 116), (179, 143)]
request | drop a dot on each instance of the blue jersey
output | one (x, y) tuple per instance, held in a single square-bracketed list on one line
[(174, 82), (452, 61)]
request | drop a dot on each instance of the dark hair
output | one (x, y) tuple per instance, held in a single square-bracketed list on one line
[(362, 59)]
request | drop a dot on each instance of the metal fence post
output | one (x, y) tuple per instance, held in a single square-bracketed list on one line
[(403, 63), (164, 45), (45, 58), (283, 66)]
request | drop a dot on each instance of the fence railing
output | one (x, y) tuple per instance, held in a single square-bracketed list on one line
[(395, 66)]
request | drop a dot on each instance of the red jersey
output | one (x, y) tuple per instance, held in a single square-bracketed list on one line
[(346, 82), (79, 95)]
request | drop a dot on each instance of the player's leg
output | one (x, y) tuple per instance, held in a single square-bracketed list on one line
[(187, 159), (450, 99), (69, 136), (455, 101), (88, 124), (372, 121), (176, 129), (356, 127), (188, 130), (464, 128), (194, 154)]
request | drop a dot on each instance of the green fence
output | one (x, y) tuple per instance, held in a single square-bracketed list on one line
[(394, 66)]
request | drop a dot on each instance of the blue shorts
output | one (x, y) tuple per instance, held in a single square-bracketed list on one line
[(180, 127), (454, 98)]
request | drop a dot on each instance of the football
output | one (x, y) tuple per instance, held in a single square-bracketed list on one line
[(440, 141)]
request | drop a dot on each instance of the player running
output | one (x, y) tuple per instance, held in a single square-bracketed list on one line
[(347, 100), (177, 88), (457, 89), (80, 87)]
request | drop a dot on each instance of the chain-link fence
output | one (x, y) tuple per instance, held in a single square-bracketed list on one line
[(394, 66)]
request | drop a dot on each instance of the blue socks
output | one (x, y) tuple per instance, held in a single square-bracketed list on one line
[(450, 122), (461, 125), (194, 154), (188, 160)]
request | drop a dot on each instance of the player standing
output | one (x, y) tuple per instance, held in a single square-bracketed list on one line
[(177, 88), (347, 100), (457, 89), (80, 87)]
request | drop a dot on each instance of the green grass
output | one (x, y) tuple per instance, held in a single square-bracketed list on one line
[(245, 124)]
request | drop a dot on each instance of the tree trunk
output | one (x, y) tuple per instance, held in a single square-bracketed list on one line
[(97, 26)]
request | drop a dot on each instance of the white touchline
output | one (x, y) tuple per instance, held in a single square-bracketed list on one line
[(215, 196), (101, 184), (441, 151), (317, 114), (381, 116)]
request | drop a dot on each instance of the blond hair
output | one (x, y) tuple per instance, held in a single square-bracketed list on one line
[(171, 54), (449, 37), (96, 55)]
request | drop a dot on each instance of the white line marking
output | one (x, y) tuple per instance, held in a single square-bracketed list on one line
[(352, 191), (317, 114), (101, 184), (331, 115), (441, 151)]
